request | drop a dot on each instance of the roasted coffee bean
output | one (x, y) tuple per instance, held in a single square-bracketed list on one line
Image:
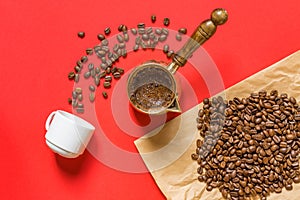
[(182, 30), (166, 21), (153, 18), (133, 31), (107, 31), (76, 79), (141, 25), (166, 48), (77, 69), (80, 110), (69, 100), (71, 75), (92, 88), (84, 59), (97, 81), (89, 51), (78, 90), (104, 94), (81, 34), (87, 74), (117, 75), (100, 37), (92, 97), (170, 53), (178, 37), (106, 84)]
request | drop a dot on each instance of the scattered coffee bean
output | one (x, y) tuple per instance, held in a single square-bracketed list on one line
[(92, 97), (178, 37), (117, 75), (81, 34), (77, 69), (104, 43), (92, 88), (78, 90), (153, 18), (84, 59), (90, 66), (162, 38), (80, 110), (76, 79), (120, 38), (107, 31), (80, 97), (108, 78), (71, 75), (133, 31), (100, 37), (104, 94), (170, 54), (87, 74), (166, 48), (97, 81), (165, 31), (69, 100), (106, 84), (126, 37), (182, 30), (141, 25), (89, 51), (166, 21), (74, 95)]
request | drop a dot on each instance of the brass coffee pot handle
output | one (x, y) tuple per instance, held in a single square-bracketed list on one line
[(202, 33)]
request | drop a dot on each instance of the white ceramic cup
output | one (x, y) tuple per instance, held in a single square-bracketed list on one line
[(67, 134)]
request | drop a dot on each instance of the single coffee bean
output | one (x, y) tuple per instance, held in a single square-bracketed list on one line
[(80, 110), (78, 90), (107, 31), (117, 75), (104, 94), (80, 97), (77, 69), (153, 18), (97, 81), (106, 84), (87, 74), (69, 100), (92, 97), (89, 51), (182, 30), (76, 79), (166, 21), (74, 95), (81, 34), (71, 75), (141, 25), (84, 59), (178, 37), (100, 37), (92, 88)]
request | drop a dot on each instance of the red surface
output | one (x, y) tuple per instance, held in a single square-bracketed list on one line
[(39, 46)]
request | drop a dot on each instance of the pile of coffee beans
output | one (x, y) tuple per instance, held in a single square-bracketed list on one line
[(250, 146), (144, 37)]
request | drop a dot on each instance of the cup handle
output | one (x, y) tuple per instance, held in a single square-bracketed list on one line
[(49, 119)]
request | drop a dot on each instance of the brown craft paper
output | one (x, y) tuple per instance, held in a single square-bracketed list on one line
[(167, 150)]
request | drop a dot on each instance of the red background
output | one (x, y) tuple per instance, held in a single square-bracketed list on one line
[(39, 47)]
